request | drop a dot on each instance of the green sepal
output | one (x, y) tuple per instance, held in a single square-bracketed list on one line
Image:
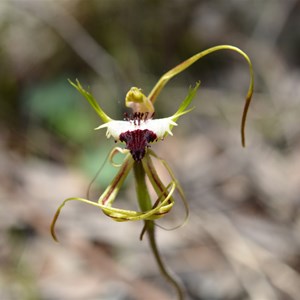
[(164, 79)]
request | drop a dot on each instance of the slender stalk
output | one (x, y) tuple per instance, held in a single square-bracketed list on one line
[(146, 204)]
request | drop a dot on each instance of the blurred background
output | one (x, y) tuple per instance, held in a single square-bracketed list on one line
[(242, 239)]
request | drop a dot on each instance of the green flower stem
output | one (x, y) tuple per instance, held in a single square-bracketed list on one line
[(146, 204)]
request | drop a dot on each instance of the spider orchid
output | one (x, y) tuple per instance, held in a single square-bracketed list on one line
[(138, 131)]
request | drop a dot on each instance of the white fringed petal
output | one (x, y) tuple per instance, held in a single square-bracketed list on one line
[(161, 127)]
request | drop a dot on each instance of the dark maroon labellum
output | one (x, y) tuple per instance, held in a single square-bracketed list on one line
[(137, 141)]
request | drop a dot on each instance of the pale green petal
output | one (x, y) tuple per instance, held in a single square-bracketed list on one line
[(89, 97), (185, 103)]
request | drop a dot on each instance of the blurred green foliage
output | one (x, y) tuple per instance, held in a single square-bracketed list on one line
[(59, 105)]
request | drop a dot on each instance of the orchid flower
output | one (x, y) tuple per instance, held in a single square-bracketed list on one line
[(137, 131)]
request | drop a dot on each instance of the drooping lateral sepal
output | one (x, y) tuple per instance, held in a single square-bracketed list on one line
[(161, 206)]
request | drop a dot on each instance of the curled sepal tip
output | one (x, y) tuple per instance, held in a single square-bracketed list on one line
[(55, 218), (52, 227)]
